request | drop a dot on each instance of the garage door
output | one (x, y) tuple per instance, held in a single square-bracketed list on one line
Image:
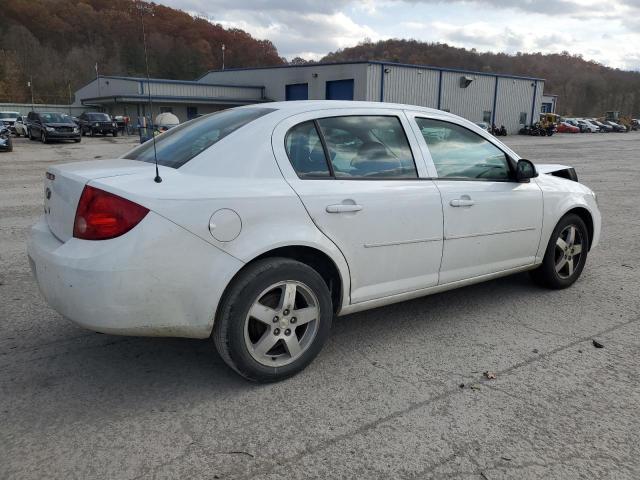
[(297, 91), (340, 90)]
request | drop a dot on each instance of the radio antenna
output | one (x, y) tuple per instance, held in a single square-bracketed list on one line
[(142, 7)]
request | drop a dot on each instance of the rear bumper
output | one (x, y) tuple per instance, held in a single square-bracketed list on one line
[(156, 280)]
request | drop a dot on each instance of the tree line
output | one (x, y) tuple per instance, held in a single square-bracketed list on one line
[(58, 43)]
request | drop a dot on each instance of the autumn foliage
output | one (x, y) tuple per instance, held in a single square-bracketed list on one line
[(58, 43)]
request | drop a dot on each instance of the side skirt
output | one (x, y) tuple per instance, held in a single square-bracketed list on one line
[(423, 292)]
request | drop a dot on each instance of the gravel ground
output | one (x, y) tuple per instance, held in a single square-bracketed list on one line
[(384, 398)]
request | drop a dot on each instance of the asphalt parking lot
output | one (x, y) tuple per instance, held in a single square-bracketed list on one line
[(383, 399)]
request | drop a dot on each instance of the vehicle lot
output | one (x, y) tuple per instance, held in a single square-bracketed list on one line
[(383, 400)]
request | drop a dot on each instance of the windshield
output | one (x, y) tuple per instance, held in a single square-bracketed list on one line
[(180, 144), (8, 115), (55, 118), (99, 117)]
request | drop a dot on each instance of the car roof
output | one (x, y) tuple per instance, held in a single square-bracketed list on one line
[(303, 106)]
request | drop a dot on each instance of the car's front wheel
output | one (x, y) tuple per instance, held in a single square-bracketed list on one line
[(566, 254), (273, 320)]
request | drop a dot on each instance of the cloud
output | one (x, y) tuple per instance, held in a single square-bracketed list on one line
[(603, 31)]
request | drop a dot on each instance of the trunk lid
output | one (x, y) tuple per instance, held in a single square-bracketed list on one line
[(64, 184)]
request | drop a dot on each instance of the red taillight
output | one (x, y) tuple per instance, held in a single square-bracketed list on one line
[(102, 215)]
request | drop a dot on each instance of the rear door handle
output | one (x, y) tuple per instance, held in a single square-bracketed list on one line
[(462, 202), (343, 208)]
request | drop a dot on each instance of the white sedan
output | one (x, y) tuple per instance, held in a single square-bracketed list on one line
[(266, 221)]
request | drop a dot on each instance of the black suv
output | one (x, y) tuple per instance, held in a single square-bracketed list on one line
[(96, 122), (52, 126)]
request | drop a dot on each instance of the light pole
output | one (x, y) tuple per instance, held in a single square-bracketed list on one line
[(69, 86), (30, 85), (223, 49)]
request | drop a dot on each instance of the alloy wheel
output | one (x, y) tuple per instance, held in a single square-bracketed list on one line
[(282, 323), (568, 251)]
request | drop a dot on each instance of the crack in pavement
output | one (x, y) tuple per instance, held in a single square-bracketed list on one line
[(418, 405)]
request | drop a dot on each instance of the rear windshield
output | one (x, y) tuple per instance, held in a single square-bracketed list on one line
[(99, 117), (9, 114), (180, 144)]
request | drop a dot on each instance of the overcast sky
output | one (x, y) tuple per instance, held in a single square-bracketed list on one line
[(607, 31)]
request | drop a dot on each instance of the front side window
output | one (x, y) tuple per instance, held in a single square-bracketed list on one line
[(368, 147), (180, 144), (459, 153)]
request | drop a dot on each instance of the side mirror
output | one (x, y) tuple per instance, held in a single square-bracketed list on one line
[(525, 170)]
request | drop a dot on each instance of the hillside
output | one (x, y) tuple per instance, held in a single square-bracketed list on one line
[(58, 43), (585, 88)]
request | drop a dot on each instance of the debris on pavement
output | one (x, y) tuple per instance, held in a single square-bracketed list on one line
[(597, 344), (490, 375)]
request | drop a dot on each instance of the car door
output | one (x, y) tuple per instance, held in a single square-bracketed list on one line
[(492, 223), (361, 177)]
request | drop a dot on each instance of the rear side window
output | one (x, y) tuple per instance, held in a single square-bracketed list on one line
[(305, 151), (358, 147), (180, 144)]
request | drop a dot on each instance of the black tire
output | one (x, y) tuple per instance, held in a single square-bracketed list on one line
[(83, 132), (30, 134), (9, 145), (546, 274), (229, 329), (77, 140), (115, 133), (43, 137)]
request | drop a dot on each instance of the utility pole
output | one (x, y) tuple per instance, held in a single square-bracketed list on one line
[(98, 78), (30, 85), (223, 49), (69, 86)]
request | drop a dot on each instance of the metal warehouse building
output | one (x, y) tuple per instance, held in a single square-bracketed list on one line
[(186, 99), (509, 100)]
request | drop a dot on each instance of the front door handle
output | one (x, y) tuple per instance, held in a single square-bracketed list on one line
[(344, 208), (464, 201)]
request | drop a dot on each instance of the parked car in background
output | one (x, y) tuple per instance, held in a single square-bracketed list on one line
[(585, 126), (603, 126), (47, 126), (8, 119), (20, 126), (635, 124), (245, 241), (616, 126), (574, 122), (592, 125), (93, 123), (6, 144), (566, 127)]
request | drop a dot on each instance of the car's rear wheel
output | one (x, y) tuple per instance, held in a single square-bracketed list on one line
[(43, 137), (115, 133), (273, 320), (566, 254)]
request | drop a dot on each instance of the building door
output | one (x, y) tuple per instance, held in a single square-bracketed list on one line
[(340, 89), (297, 91)]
